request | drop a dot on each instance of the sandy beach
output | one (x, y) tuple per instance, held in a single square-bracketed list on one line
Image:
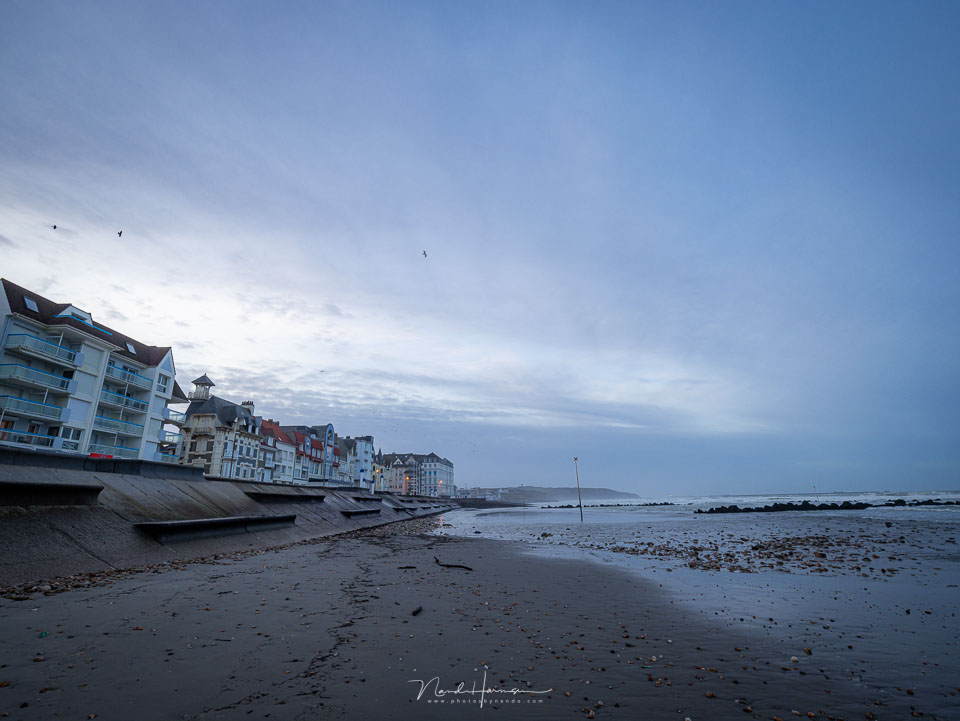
[(371, 626)]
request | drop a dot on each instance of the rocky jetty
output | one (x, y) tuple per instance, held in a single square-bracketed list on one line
[(845, 506), (612, 505)]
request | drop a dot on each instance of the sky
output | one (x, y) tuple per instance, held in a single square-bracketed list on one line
[(705, 247)]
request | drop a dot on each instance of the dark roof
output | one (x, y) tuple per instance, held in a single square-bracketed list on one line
[(226, 412), (204, 380), (47, 312), (389, 458), (178, 395)]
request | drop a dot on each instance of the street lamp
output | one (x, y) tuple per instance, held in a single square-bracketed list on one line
[(579, 499)]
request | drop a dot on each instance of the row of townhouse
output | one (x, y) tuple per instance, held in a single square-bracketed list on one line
[(228, 440), (73, 385)]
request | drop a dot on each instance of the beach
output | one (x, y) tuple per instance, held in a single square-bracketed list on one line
[(370, 625)]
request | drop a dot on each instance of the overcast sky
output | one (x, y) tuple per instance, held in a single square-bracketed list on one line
[(707, 247)]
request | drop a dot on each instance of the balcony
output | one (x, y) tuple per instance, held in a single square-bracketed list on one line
[(116, 451), (173, 416), (30, 345), (134, 379), (33, 409), (32, 378), (113, 425), (35, 440), (170, 437), (115, 399)]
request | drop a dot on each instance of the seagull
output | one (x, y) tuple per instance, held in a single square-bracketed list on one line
[(119, 233), (424, 254), (54, 227)]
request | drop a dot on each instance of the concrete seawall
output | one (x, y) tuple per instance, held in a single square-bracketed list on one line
[(64, 515)]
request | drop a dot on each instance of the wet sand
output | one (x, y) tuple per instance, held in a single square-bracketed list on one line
[(329, 628)]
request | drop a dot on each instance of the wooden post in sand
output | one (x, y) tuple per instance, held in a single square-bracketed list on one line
[(579, 500)]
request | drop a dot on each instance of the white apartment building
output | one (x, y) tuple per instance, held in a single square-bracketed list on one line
[(71, 384), (436, 476), (418, 474)]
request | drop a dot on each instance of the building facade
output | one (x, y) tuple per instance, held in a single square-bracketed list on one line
[(219, 436), (285, 451), (418, 474), (71, 384)]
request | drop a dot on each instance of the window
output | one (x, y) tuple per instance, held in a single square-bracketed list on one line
[(131, 348), (71, 438), (31, 304), (162, 382)]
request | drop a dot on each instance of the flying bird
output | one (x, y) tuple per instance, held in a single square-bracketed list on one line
[(119, 233), (54, 227), (424, 254)]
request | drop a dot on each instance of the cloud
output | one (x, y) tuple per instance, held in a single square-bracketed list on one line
[(4, 240)]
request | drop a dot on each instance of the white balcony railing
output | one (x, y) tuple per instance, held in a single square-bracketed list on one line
[(170, 437), (134, 379), (29, 439), (123, 401), (174, 416), (102, 423), (33, 377), (118, 451), (38, 346), (22, 406)]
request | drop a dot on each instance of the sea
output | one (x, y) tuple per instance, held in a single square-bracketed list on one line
[(609, 517), (871, 600)]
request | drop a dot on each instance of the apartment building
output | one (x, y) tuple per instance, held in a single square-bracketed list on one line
[(436, 476), (71, 384), (419, 474)]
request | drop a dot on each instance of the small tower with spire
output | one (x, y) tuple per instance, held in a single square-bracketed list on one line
[(201, 388)]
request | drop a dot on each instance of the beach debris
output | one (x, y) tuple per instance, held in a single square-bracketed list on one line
[(416, 611), (451, 565)]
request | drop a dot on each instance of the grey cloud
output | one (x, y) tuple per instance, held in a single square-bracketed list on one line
[(4, 240), (45, 284)]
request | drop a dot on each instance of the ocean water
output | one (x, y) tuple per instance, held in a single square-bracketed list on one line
[(879, 562), (612, 521)]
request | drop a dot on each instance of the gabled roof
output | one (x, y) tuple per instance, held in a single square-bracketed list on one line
[(178, 395), (390, 458), (49, 312), (271, 428), (227, 412), (204, 380)]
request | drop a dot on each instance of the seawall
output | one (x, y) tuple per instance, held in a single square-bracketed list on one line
[(61, 515)]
